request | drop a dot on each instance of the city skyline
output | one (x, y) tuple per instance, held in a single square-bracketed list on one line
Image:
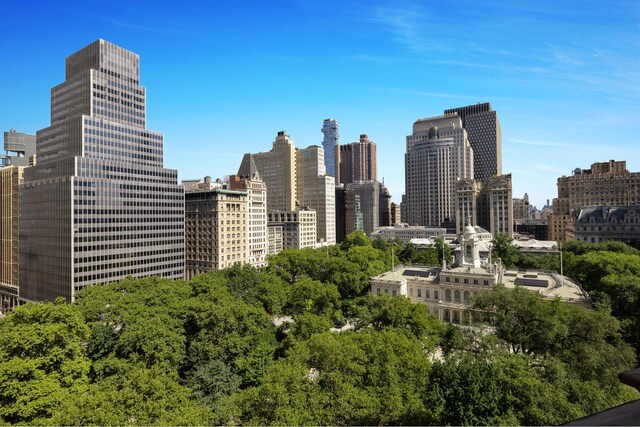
[(223, 79)]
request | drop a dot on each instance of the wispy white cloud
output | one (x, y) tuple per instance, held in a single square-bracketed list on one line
[(540, 143), (406, 22)]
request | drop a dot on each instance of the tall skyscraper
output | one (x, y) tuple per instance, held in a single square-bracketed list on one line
[(485, 136), (98, 206), (329, 143), (297, 178), (357, 161), (248, 179), (278, 170), (316, 191), (438, 154), (487, 204)]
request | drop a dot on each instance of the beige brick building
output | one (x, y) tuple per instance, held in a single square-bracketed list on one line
[(215, 230), (438, 155), (248, 179), (278, 170), (10, 179), (297, 179), (605, 183), (488, 204)]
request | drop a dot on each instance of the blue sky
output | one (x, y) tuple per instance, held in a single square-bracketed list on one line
[(223, 77)]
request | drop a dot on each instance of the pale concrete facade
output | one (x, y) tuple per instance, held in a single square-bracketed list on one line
[(275, 237), (487, 204), (298, 228), (98, 206), (438, 155), (297, 179), (316, 191), (405, 233)]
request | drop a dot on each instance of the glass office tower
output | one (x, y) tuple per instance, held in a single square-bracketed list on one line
[(98, 206)]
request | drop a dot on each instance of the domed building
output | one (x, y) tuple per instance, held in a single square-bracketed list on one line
[(447, 292)]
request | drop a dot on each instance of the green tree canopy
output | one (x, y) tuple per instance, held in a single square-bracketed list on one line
[(42, 360)]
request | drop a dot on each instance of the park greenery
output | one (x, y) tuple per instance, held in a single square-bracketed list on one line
[(303, 342)]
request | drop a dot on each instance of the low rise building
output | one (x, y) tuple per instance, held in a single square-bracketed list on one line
[(597, 224), (447, 292), (405, 232), (298, 228), (274, 238)]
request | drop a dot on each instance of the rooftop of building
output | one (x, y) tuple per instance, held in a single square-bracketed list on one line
[(550, 285), (602, 214)]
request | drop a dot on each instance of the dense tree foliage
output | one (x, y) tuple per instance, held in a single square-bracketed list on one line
[(42, 360), (207, 351)]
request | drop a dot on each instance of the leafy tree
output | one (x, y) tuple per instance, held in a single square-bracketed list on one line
[(357, 238), (408, 253), (427, 257), (350, 378), (42, 360), (588, 341), (311, 296), (382, 312), (142, 396), (500, 389), (211, 381), (219, 326), (441, 247), (503, 248)]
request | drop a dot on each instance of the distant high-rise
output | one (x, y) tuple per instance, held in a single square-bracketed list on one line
[(438, 154), (485, 136), (330, 129), (486, 204), (316, 191), (357, 161), (278, 170), (98, 206), (248, 179), (296, 179), (19, 148)]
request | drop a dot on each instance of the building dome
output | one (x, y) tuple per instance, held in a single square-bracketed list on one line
[(469, 231)]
